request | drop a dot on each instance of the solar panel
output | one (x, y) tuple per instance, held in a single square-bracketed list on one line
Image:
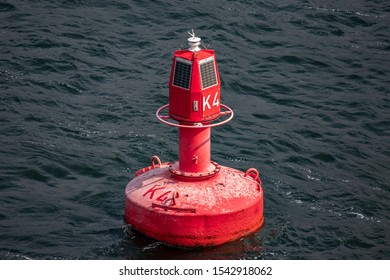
[(182, 75), (207, 72)]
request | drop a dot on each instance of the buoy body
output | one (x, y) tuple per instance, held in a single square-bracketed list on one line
[(194, 213), (194, 202)]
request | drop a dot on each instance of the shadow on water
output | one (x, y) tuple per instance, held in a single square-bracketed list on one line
[(135, 245)]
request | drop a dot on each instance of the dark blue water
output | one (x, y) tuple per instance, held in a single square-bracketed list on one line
[(309, 83)]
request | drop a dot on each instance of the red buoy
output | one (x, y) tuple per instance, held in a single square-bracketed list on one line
[(194, 202)]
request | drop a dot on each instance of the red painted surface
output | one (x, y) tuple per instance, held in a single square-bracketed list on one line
[(194, 201), (194, 149)]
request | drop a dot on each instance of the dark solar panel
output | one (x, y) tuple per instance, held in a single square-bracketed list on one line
[(207, 73), (182, 74)]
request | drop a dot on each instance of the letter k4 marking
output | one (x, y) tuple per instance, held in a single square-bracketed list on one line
[(153, 190)]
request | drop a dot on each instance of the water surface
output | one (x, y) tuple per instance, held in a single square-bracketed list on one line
[(309, 83)]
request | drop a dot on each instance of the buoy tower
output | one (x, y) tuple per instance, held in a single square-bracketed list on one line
[(194, 202)]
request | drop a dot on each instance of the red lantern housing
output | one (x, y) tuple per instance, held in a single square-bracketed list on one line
[(194, 87)]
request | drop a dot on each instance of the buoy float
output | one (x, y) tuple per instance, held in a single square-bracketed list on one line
[(194, 202)]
